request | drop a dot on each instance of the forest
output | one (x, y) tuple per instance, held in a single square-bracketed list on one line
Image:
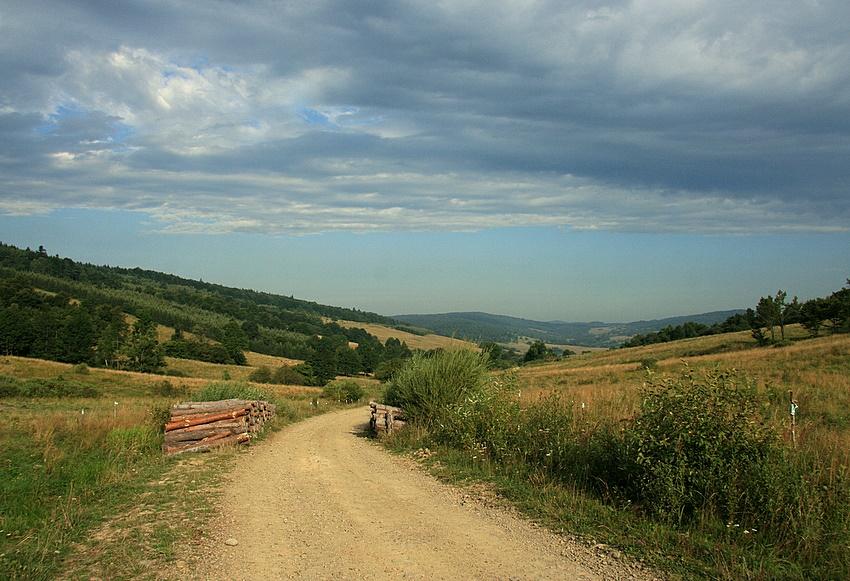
[(57, 309)]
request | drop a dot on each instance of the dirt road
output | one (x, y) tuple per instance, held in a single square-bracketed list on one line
[(324, 502)]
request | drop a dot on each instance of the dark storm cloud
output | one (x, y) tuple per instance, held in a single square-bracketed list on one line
[(375, 115)]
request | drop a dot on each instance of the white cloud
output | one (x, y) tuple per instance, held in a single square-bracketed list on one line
[(623, 115)]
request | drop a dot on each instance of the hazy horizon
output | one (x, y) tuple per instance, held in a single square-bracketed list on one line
[(605, 160)]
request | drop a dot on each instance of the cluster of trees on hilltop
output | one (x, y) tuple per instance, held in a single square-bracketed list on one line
[(737, 322), (772, 312), (77, 316)]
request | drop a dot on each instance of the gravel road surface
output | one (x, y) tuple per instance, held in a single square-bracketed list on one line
[(318, 500)]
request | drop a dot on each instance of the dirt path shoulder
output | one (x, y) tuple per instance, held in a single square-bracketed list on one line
[(320, 501)]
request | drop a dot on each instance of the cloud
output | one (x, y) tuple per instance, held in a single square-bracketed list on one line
[(459, 115)]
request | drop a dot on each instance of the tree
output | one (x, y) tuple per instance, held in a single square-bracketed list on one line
[(323, 359), (394, 348), (16, 334), (537, 350), (773, 312), (235, 341), (144, 352), (77, 338), (348, 361), (812, 315), (371, 354)]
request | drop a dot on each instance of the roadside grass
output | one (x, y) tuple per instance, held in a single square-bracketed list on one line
[(85, 491), (723, 494)]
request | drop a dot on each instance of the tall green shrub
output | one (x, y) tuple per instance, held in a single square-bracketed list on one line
[(699, 443), (450, 393), (344, 391)]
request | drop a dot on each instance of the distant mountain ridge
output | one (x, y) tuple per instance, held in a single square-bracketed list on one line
[(478, 326)]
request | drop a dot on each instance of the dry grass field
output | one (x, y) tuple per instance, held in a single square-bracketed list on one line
[(424, 342), (817, 371), (681, 453), (72, 468)]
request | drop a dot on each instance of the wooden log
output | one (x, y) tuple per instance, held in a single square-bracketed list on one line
[(203, 420), (207, 440), (175, 414), (213, 403), (209, 445), (228, 423), (197, 435), (199, 426)]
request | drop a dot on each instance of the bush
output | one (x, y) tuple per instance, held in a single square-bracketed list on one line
[(698, 444), (648, 363), (165, 388), (452, 394), (385, 370), (288, 375), (344, 391), (425, 386), (261, 374)]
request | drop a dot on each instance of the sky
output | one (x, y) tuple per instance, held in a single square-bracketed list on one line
[(610, 160)]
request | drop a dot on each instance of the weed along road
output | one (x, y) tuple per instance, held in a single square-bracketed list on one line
[(318, 500)]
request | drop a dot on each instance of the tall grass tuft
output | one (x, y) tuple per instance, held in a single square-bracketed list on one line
[(219, 390), (451, 394)]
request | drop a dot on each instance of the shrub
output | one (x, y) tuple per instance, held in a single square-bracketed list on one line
[(699, 444), (58, 387), (165, 388), (452, 394), (385, 370), (261, 374), (648, 363), (426, 385), (288, 375), (344, 391)]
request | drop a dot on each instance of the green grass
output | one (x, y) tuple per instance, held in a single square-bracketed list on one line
[(84, 488), (694, 472), (59, 475)]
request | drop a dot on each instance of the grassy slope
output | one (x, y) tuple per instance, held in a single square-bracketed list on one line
[(608, 385), (424, 342), (89, 495), (158, 503)]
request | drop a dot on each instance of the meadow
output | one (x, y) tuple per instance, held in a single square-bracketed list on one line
[(85, 491), (582, 444), (681, 454)]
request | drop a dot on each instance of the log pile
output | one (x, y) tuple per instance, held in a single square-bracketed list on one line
[(386, 419), (201, 426)]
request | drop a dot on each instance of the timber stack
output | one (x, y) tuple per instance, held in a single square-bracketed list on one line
[(202, 425), (386, 418)]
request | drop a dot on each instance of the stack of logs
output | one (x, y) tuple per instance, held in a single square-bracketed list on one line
[(386, 418), (201, 426)]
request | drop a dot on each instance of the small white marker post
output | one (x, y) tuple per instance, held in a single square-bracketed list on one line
[(793, 419)]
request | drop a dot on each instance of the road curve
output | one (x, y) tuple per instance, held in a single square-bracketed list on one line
[(318, 500)]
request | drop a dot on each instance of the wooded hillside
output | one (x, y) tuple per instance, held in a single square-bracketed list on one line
[(58, 309)]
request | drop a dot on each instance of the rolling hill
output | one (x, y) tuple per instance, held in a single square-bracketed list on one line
[(476, 326)]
